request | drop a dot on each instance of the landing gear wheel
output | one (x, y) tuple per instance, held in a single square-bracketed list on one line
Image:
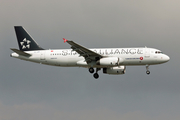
[(91, 70), (148, 72), (147, 69), (96, 75)]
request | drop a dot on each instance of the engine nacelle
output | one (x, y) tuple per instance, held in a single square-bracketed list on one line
[(110, 61), (115, 70)]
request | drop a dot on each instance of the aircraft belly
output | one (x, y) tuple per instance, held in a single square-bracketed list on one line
[(64, 60)]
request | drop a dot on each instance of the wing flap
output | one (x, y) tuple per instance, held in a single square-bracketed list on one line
[(86, 53)]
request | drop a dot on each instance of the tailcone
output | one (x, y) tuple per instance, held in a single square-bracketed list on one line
[(14, 55)]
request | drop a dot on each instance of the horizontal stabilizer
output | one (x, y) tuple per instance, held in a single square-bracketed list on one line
[(21, 52)]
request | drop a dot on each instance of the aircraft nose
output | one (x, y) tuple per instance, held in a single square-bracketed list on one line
[(166, 58)]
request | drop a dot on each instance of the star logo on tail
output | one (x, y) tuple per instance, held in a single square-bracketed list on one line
[(25, 43)]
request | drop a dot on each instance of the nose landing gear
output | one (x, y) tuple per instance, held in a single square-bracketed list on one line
[(147, 70)]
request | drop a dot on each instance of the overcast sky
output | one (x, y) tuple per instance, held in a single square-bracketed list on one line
[(30, 91)]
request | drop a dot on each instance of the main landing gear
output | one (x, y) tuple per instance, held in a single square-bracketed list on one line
[(147, 69), (91, 70), (96, 75)]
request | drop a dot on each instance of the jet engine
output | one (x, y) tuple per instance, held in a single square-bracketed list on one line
[(110, 61), (115, 70)]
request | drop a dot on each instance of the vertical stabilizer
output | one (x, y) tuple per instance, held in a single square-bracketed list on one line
[(25, 41)]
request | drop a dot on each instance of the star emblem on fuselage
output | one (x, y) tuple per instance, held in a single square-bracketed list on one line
[(25, 43)]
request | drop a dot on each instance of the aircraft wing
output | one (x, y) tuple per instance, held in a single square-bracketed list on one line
[(88, 54)]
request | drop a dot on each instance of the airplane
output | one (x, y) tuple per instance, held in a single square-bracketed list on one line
[(112, 61)]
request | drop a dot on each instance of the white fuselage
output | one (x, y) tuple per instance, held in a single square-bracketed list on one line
[(69, 58)]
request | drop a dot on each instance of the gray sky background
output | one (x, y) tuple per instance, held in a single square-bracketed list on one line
[(33, 91)]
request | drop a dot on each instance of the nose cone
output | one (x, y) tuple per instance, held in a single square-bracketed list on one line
[(166, 58)]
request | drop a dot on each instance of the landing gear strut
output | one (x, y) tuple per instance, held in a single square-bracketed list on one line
[(96, 75), (147, 69)]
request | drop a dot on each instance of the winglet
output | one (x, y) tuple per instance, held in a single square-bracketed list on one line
[(65, 40)]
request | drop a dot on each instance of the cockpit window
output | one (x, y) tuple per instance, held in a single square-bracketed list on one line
[(158, 52)]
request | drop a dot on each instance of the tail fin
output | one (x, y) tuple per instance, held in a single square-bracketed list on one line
[(25, 41)]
